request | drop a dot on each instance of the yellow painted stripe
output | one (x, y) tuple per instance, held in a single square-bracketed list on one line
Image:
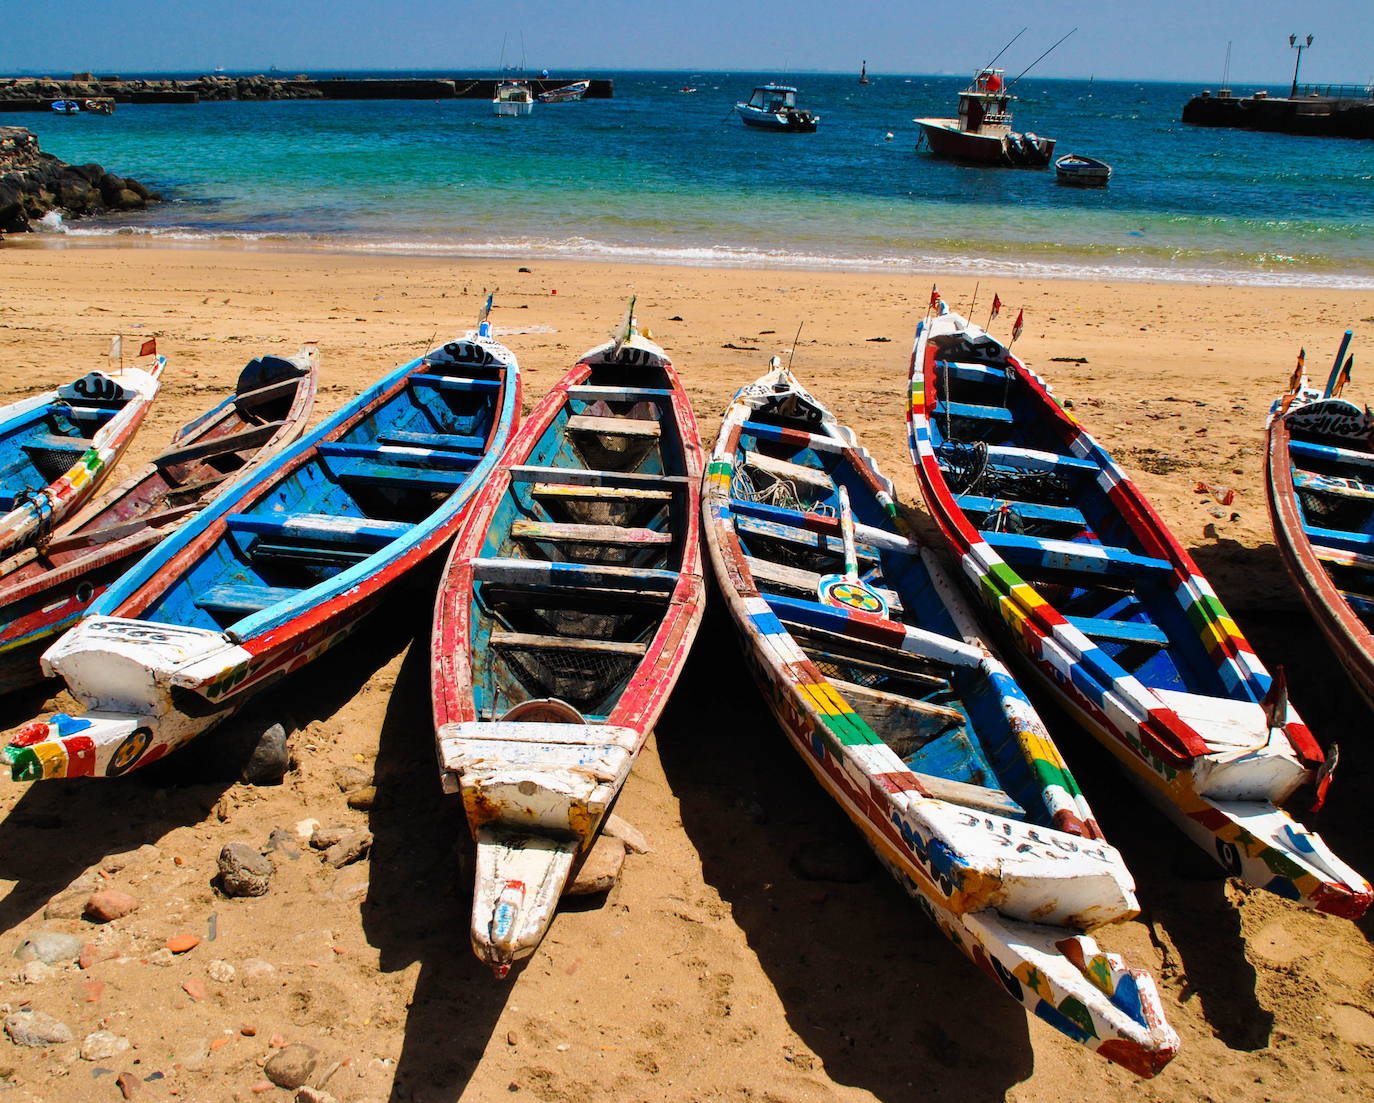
[(824, 697)]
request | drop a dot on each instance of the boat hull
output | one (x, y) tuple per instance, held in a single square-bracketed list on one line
[(1008, 150), (790, 122)]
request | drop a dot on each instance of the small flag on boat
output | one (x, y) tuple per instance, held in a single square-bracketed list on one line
[(1344, 377), (934, 297), (116, 349), (1295, 380), (1275, 702), (1322, 782), (1019, 324), (486, 308), (996, 307), (148, 348)]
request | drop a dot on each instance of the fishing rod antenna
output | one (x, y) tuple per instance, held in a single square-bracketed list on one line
[(1004, 49), (793, 351), (1041, 58)]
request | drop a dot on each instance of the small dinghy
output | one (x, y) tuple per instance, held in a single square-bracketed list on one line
[(56, 448), (279, 568), (44, 590), (1082, 172), (1111, 611), (1320, 484), (870, 660), (565, 615)]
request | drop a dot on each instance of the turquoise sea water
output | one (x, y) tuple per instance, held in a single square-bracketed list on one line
[(656, 174)]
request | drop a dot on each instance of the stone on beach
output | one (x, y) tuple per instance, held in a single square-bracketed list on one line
[(101, 1045), (271, 758), (110, 904), (627, 833), (291, 1067), (601, 868), (36, 1028), (351, 847), (49, 947), (243, 871)]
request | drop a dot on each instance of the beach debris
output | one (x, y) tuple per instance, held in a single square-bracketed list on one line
[(271, 758), (1069, 359), (525, 270), (36, 1028), (255, 971), (195, 988), (322, 838), (308, 1094), (127, 1083), (221, 971), (627, 833), (49, 947), (291, 1067), (101, 1045), (832, 860), (110, 904), (1224, 495), (306, 828), (181, 943), (601, 869), (352, 884), (348, 778), (352, 846), (243, 871), (362, 800)]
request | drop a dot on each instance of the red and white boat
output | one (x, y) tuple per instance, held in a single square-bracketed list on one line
[(982, 133)]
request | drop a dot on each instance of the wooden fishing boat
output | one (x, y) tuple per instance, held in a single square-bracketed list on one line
[(279, 567), (56, 448), (567, 93), (1113, 614), (1080, 171), (870, 660), (569, 603), (47, 588), (1320, 485)]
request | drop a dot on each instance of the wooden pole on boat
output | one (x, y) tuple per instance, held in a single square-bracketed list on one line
[(851, 553), (976, 284), (1336, 367)]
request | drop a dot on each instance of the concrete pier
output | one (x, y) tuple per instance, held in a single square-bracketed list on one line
[(1328, 116)]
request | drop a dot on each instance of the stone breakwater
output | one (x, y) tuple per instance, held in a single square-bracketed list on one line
[(21, 92), (32, 183)]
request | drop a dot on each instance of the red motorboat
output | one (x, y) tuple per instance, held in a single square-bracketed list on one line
[(982, 133)]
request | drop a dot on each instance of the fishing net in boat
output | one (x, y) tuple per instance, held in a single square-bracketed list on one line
[(967, 470), (578, 675)]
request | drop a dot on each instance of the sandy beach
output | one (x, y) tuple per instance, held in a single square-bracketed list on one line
[(713, 970)]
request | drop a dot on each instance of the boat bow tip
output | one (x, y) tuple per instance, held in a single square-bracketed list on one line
[(519, 879)]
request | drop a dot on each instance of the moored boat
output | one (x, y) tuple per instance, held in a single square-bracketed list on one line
[(279, 568), (1080, 171), (1319, 482), (1113, 615), (567, 93), (982, 132), (774, 107), (566, 611), (56, 448), (870, 661), (513, 98), (45, 589)]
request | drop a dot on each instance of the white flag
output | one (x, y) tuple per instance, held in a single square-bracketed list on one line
[(116, 350)]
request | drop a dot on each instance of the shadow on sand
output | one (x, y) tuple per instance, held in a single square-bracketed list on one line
[(751, 807)]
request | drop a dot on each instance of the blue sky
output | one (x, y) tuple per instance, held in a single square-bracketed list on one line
[(1144, 39)]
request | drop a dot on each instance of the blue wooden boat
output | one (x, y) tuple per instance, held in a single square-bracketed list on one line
[(280, 567), (56, 448)]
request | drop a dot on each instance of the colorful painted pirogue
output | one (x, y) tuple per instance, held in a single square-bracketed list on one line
[(279, 568), (45, 589), (1113, 614), (570, 600), (56, 448), (1320, 484), (869, 659)]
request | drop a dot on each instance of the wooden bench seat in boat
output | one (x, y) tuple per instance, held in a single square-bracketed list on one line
[(241, 598), (747, 525), (253, 437), (588, 534), (283, 388), (1340, 539), (348, 469), (580, 493), (1120, 631), (1362, 604), (976, 373), (432, 440), (806, 582), (1331, 453), (581, 476), (53, 442), (325, 528), (787, 435), (530, 642), (1099, 560), (614, 426), (969, 412), (590, 392), (541, 573), (980, 798), (454, 383), (1032, 459), (787, 471), (1029, 511), (398, 454)]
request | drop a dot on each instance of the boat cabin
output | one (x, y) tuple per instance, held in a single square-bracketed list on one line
[(773, 98), (985, 105)]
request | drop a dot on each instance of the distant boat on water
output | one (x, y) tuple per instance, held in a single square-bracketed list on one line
[(863, 72), (1082, 172), (568, 93), (982, 133), (513, 97), (774, 107)]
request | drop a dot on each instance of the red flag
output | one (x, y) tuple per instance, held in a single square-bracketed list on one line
[(934, 298), (1275, 702), (1344, 377), (1323, 778), (996, 306), (1019, 324), (1295, 380), (148, 348)]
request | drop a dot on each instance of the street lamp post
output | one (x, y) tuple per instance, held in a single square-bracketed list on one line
[(1300, 47)]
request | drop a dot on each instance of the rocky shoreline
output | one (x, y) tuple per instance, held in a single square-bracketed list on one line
[(85, 86), (33, 183)]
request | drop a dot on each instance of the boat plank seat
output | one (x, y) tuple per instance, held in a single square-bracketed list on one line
[(432, 440), (253, 437), (396, 454), (975, 373), (1120, 631), (1028, 511), (977, 797), (783, 434), (1340, 539), (970, 412), (454, 383), (1032, 459), (527, 641), (262, 395), (1100, 560), (807, 582), (1361, 604), (350, 469), (790, 472), (539, 572), (853, 690), (590, 392), (54, 442), (832, 545), (242, 598), (615, 426), (842, 648), (1344, 557), (322, 527), (583, 476), (1331, 453), (600, 493), (588, 534)]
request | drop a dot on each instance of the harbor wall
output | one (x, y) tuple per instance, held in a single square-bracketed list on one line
[(1328, 116)]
